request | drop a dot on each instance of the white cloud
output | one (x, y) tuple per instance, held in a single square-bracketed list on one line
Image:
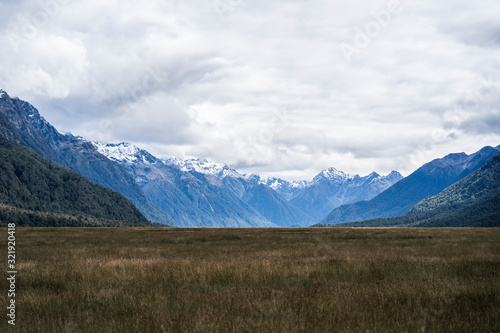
[(260, 85)]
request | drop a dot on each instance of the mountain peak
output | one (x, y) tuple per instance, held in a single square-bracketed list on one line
[(373, 174), (3, 94), (487, 150), (331, 174), (459, 162), (123, 152), (453, 158), (203, 166), (393, 175), (278, 184)]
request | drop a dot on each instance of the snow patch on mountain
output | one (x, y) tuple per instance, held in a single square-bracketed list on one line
[(219, 170), (124, 152), (332, 174), (285, 188), (279, 184)]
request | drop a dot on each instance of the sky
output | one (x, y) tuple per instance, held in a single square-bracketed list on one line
[(282, 88)]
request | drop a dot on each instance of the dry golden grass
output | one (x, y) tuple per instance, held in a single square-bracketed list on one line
[(256, 280)]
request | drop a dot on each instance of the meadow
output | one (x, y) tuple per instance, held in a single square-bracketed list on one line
[(254, 280)]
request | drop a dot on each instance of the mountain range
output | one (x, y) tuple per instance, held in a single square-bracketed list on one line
[(428, 180), (191, 197), (201, 193), (197, 192), (473, 201), (332, 188)]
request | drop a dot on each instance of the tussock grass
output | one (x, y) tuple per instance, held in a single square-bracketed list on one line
[(256, 280)]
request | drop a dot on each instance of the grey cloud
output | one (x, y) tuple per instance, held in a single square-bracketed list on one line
[(183, 80)]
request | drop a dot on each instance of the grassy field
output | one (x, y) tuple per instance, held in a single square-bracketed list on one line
[(255, 280)]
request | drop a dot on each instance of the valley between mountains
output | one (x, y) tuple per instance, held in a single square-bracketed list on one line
[(199, 193)]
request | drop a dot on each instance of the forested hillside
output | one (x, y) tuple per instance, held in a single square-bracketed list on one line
[(34, 190)]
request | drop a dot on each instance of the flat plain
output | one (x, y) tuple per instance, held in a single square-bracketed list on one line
[(255, 280)]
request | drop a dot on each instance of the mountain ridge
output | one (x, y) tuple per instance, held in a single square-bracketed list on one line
[(203, 193), (473, 201), (331, 189), (473, 187), (251, 189), (200, 192), (429, 179)]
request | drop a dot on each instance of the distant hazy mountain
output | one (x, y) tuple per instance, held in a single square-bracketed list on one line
[(332, 188), (36, 192), (285, 188), (201, 193), (20, 122), (473, 201), (428, 180), (266, 201), (297, 203)]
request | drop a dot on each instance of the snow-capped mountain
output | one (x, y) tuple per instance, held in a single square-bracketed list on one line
[(331, 174), (201, 193), (220, 170), (127, 152), (287, 189), (332, 188), (194, 192), (124, 152)]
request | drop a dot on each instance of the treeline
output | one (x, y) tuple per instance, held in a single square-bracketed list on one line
[(29, 218)]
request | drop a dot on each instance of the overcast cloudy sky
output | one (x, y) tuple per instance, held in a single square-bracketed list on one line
[(283, 88)]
